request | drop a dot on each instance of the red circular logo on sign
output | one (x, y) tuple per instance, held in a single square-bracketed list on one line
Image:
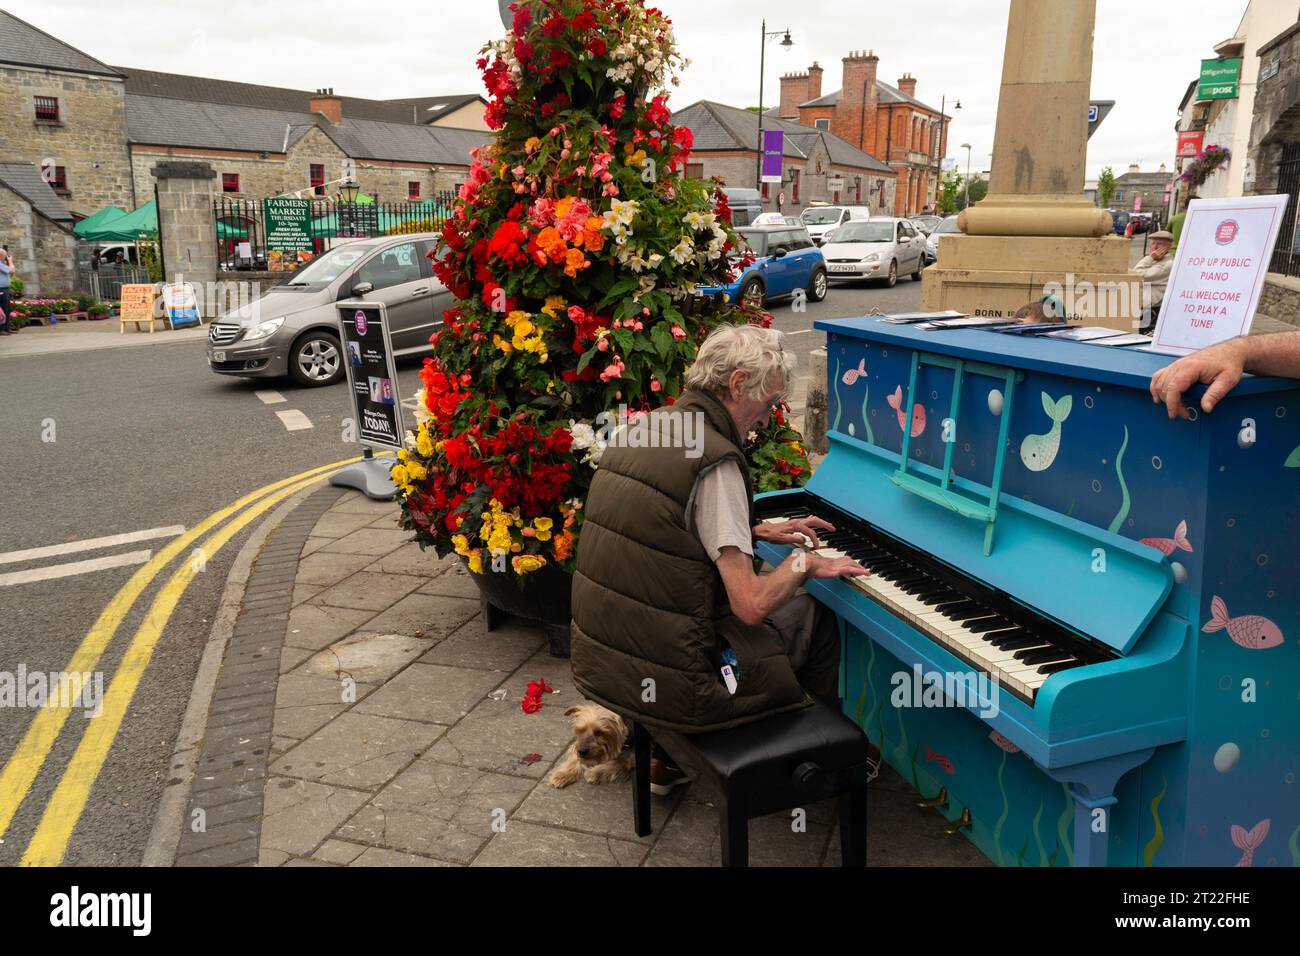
[(361, 322), (1226, 232)]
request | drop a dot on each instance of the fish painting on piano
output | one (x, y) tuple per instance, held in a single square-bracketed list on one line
[(1005, 548)]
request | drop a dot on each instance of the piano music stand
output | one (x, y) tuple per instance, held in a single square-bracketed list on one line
[(943, 493)]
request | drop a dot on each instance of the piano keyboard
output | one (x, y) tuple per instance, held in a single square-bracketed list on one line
[(981, 626)]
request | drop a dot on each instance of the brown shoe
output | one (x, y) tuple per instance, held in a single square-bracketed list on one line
[(664, 776)]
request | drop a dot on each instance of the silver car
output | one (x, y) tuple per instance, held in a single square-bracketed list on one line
[(946, 228), (293, 328), (876, 249)]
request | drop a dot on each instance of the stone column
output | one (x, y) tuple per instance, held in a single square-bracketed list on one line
[(1036, 234), (186, 225), (1041, 140)]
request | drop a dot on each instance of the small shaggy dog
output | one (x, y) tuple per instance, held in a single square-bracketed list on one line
[(597, 753)]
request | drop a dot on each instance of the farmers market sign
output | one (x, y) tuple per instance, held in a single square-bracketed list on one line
[(287, 224), (1218, 79)]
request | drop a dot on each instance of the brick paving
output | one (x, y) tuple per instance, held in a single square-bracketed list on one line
[(365, 717)]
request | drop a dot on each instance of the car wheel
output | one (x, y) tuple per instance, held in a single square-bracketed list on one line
[(316, 359), (752, 289), (920, 264), (892, 279), (817, 288)]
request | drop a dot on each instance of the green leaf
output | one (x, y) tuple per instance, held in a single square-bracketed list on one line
[(662, 339), (587, 356), (624, 339), (1293, 460)]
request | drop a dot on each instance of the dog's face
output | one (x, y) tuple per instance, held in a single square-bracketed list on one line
[(598, 734)]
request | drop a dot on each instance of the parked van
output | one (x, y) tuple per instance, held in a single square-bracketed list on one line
[(821, 219), (746, 204)]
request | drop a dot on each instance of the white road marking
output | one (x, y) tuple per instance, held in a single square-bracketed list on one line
[(270, 398), (75, 567), (90, 544), (294, 420), (803, 332)]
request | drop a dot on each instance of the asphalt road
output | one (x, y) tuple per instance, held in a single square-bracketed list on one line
[(147, 438)]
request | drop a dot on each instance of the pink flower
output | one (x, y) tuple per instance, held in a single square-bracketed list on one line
[(564, 154), (654, 385), (602, 345), (679, 333), (518, 171)]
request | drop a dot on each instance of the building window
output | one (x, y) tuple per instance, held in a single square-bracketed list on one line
[(1119, 196), (230, 182), (823, 123), (318, 178), (857, 190), (413, 189), (47, 109), (694, 170), (794, 185), (57, 177), (764, 190)]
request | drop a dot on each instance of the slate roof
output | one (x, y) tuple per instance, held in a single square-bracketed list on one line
[(719, 127), (22, 44), (884, 94), (430, 109), (25, 179), (162, 121), (202, 89)]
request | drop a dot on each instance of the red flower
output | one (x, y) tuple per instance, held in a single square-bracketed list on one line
[(560, 59), (584, 21), (507, 242), (597, 46), (554, 25)]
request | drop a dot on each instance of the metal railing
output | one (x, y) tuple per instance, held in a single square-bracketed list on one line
[(1286, 255), (281, 234), (106, 283)]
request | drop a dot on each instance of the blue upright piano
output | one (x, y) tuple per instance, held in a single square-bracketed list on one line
[(1081, 639)]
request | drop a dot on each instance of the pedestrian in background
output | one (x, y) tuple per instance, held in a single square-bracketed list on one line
[(1176, 221), (1154, 269), (6, 278)]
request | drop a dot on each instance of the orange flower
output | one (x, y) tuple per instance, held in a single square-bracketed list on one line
[(552, 243), (593, 238), (574, 262), (563, 546)]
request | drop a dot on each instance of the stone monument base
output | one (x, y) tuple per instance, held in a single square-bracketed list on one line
[(1090, 276)]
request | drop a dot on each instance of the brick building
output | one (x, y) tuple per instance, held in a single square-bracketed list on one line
[(887, 122), (817, 165), (95, 130)]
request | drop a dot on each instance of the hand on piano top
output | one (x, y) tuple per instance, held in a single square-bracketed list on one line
[(801, 532)]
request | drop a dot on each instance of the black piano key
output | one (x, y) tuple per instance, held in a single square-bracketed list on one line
[(1021, 643), (1059, 666), (988, 624), (973, 613), (1041, 656), (960, 604), (1001, 639)]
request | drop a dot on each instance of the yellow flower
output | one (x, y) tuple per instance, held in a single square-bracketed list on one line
[(461, 544), (543, 526), (554, 304), (476, 561), (531, 143), (399, 475), (527, 563), (501, 343), (424, 443), (499, 539), (416, 471)]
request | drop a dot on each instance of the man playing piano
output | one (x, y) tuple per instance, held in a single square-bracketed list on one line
[(1221, 366), (666, 596)]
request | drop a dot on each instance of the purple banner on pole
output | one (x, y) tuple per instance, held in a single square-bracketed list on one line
[(773, 148)]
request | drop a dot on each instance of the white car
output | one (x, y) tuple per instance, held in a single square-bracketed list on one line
[(823, 219), (876, 249)]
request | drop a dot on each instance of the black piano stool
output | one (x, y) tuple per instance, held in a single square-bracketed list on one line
[(778, 763)]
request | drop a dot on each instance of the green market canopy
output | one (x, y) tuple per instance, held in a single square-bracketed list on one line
[(98, 221), (128, 227)]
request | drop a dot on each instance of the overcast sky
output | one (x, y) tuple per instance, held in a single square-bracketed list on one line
[(1145, 53)]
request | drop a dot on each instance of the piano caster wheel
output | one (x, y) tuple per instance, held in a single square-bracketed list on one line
[(961, 823), (940, 800)]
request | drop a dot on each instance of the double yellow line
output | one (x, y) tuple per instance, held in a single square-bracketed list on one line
[(50, 841)]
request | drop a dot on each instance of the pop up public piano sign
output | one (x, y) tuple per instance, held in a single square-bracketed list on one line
[(1081, 639), (372, 384)]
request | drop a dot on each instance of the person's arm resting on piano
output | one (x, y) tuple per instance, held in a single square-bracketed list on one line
[(1221, 366), (721, 518)]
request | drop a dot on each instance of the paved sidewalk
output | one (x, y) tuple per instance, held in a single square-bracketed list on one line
[(364, 717), (86, 336)]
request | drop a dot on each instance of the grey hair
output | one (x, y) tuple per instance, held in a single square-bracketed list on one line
[(754, 350)]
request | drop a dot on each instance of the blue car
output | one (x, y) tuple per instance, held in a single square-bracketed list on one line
[(786, 260)]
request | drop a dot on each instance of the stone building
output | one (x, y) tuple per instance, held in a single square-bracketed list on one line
[(95, 130), (1274, 158), (887, 122), (1136, 191), (65, 113), (36, 228), (817, 165)]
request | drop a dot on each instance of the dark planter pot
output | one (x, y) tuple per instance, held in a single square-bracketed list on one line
[(545, 599)]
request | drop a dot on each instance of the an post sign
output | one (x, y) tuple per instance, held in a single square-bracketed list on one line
[(1190, 142), (1223, 255), (372, 379), (773, 150), (1219, 79)]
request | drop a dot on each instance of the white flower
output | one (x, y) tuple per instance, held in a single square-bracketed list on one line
[(699, 220), (594, 454), (584, 436), (683, 250), (421, 410), (655, 259)]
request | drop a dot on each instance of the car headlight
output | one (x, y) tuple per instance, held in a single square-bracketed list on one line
[(872, 257), (262, 330)]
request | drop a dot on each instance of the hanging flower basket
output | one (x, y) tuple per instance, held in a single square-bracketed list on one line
[(1205, 164)]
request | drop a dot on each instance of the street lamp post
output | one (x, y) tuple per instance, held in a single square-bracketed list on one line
[(938, 146), (786, 43), (966, 146)]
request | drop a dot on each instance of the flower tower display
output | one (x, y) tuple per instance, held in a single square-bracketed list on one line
[(573, 253)]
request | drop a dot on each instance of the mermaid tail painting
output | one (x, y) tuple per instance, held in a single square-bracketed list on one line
[(1168, 546), (1247, 841), (1039, 451)]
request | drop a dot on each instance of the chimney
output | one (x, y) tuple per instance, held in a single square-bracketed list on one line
[(814, 81), (1162, 168), (855, 114), (907, 84), (794, 90), (327, 104), (1134, 168)]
